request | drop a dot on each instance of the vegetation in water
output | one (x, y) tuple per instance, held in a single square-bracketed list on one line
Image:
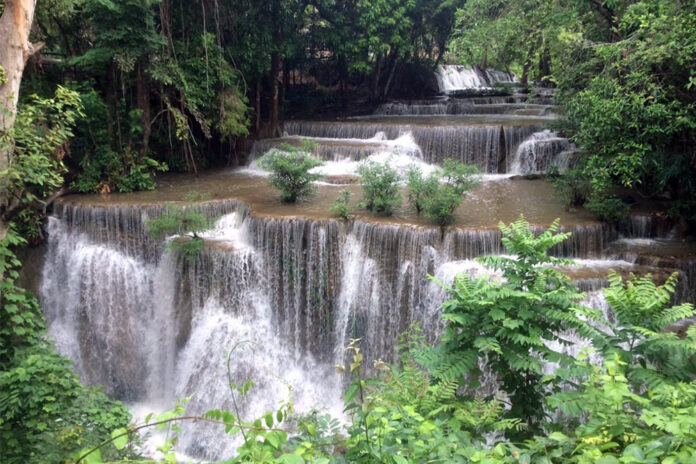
[(183, 222), (289, 167), (380, 184), (340, 207), (441, 192)]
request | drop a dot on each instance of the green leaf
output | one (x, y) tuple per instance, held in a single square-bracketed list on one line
[(120, 438), (607, 460), (290, 459), (559, 437)]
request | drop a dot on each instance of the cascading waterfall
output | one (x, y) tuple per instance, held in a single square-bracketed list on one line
[(455, 77), (490, 105), (278, 298), (486, 146), (540, 151), (152, 327)]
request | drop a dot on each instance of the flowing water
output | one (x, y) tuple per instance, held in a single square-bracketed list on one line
[(454, 77), (279, 290)]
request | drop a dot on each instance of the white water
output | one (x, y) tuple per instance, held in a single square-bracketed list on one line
[(540, 151), (455, 77)]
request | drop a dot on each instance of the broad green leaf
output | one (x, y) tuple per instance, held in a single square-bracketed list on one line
[(120, 438)]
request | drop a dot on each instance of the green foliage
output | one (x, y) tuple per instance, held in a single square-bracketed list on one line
[(184, 223), (404, 417), (380, 185), (21, 324), (454, 181), (290, 174), (40, 140), (652, 354), (607, 208), (104, 167), (620, 425), (420, 187), (439, 194), (45, 414), (631, 105), (340, 207), (572, 188), (504, 324)]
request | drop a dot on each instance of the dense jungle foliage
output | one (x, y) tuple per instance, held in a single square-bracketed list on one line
[(626, 78), (168, 85)]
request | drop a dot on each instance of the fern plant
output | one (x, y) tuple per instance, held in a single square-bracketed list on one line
[(653, 354), (505, 324)]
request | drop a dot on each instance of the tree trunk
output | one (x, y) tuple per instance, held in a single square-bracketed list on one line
[(257, 106), (390, 79), (15, 50), (275, 74), (545, 63), (377, 75), (143, 100)]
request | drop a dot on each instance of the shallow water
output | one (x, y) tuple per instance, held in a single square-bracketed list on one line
[(484, 207)]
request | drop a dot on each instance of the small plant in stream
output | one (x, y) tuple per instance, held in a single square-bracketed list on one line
[(439, 194), (185, 223), (340, 207), (289, 167), (380, 185)]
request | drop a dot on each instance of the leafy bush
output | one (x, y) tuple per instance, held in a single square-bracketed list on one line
[(290, 174), (40, 140), (340, 206), (652, 354), (607, 208), (572, 187), (439, 194), (185, 222), (455, 180), (420, 187), (104, 166), (380, 185)]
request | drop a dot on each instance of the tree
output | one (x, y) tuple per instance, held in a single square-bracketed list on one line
[(439, 194), (15, 50), (185, 223)]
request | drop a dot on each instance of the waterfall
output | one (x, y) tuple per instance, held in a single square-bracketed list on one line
[(281, 297), (540, 151), (484, 145), (454, 77), (490, 105)]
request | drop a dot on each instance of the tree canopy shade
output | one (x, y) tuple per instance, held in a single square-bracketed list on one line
[(182, 83)]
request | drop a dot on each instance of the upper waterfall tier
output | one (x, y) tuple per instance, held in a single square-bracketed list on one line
[(484, 140), (455, 77), (444, 106)]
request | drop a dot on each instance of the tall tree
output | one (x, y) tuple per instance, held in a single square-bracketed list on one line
[(15, 50)]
